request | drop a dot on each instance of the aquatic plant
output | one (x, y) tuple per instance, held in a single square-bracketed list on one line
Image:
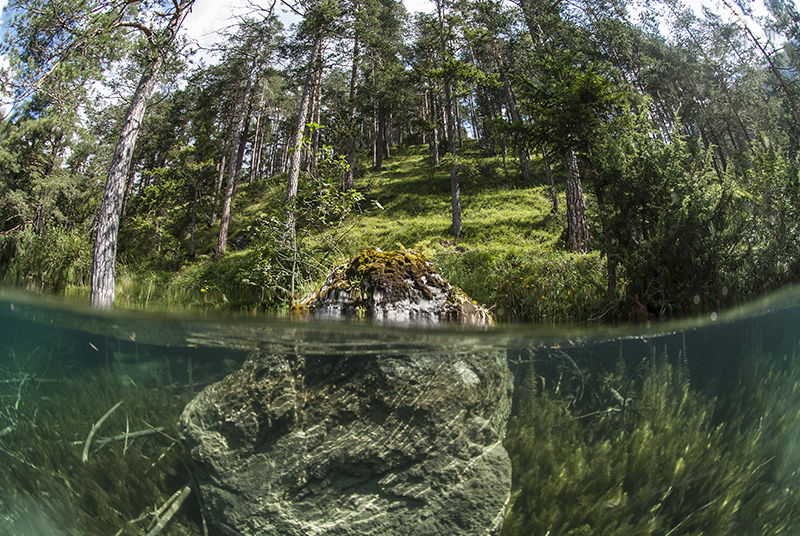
[(641, 452), (72, 467)]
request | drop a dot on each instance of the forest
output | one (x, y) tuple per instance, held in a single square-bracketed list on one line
[(559, 160)]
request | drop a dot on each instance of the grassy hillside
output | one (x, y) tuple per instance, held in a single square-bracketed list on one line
[(509, 257)]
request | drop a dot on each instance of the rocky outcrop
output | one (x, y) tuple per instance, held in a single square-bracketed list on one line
[(397, 287), (354, 445)]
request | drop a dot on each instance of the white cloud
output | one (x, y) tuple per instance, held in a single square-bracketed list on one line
[(208, 18), (426, 6)]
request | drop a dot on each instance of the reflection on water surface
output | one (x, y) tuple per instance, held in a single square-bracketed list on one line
[(667, 429)]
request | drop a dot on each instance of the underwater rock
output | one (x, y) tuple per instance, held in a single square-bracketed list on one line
[(368, 445), (392, 287)]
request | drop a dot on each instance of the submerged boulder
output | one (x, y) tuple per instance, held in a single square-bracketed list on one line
[(392, 287), (368, 445)]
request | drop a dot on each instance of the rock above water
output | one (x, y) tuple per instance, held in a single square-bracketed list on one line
[(354, 445), (392, 287)]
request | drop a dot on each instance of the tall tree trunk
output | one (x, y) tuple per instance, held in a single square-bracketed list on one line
[(221, 170), (473, 116), (237, 152), (476, 131), (313, 150), (380, 126), (350, 173), (511, 102), (388, 132), (302, 115), (105, 245), (457, 110), (577, 231), (274, 151), (455, 184), (435, 134), (242, 141), (259, 136), (425, 114)]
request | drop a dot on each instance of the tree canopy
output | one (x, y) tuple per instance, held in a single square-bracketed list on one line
[(667, 140)]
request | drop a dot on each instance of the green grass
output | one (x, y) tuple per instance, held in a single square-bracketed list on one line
[(509, 256)]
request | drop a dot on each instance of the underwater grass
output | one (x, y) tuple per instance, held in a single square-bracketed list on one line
[(47, 412), (626, 448), (639, 451)]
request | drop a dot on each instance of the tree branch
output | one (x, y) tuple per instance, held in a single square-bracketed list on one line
[(95, 427)]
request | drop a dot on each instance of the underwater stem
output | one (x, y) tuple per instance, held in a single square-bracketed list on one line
[(94, 429), (176, 500)]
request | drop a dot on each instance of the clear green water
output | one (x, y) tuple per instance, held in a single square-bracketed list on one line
[(689, 428)]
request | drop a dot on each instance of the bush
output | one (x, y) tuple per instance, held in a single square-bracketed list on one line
[(280, 262), (51, 261)]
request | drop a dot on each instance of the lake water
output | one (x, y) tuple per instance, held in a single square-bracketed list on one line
[(666, 429)]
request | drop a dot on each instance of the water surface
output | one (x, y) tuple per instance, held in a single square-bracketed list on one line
[(685, 428)]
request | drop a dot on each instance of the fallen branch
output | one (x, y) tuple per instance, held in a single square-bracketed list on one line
[(95, 427), (29, 464), (127, 431), (103, 441), (169, 509), (160, 431)]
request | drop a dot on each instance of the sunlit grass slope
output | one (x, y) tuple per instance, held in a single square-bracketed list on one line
[(509, 256)]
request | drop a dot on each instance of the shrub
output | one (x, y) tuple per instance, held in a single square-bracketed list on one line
[(50, 261)]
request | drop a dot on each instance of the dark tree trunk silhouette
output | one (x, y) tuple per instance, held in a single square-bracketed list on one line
[(577, 231)]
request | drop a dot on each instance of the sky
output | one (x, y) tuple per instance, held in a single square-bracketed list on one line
[(209, 16)]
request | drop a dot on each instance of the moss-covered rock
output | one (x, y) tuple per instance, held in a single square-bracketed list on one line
[(399, 286)]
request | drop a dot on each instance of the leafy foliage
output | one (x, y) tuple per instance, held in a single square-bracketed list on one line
[(670, 221), (44, 204), (686, 145), (282, 262)]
